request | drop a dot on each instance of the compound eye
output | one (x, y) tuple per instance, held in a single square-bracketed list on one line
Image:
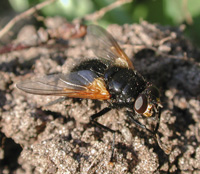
[(140, 105)]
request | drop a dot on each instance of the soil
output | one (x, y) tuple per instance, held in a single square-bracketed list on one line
[(58, 139)]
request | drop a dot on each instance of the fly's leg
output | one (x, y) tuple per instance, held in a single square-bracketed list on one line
[(165, 148), (129, 115), (93, 121), (158, 121)]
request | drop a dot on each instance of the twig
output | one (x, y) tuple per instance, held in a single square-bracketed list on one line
[(23, 15), (99, 14)]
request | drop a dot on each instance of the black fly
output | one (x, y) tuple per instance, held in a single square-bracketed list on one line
[(110, 78)]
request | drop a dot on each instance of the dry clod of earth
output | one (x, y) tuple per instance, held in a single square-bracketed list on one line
[(57, 139)]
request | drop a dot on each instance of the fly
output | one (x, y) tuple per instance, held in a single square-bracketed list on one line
[(111, 78)]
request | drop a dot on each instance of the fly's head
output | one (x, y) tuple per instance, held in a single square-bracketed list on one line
[(148, 102)]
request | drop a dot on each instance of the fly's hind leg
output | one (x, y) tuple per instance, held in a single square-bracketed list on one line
[(93, 121)]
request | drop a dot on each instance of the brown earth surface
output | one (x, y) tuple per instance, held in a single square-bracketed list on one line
[(58, 139)]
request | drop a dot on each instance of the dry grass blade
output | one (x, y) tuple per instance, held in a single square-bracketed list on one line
[(99, 14)]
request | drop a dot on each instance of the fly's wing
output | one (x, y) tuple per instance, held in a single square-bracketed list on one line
[(80, 84), (105, 47)]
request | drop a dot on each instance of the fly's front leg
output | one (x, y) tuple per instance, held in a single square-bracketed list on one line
[(165, 148), (158, 121), (93, 121), (130, 116)]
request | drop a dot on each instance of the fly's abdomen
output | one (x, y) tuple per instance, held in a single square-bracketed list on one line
[(93, 65)]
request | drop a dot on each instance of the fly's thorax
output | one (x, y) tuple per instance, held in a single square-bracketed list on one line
[(123, 84)]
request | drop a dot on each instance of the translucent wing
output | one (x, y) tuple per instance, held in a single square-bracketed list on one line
[(80, 84), (105, 47)]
